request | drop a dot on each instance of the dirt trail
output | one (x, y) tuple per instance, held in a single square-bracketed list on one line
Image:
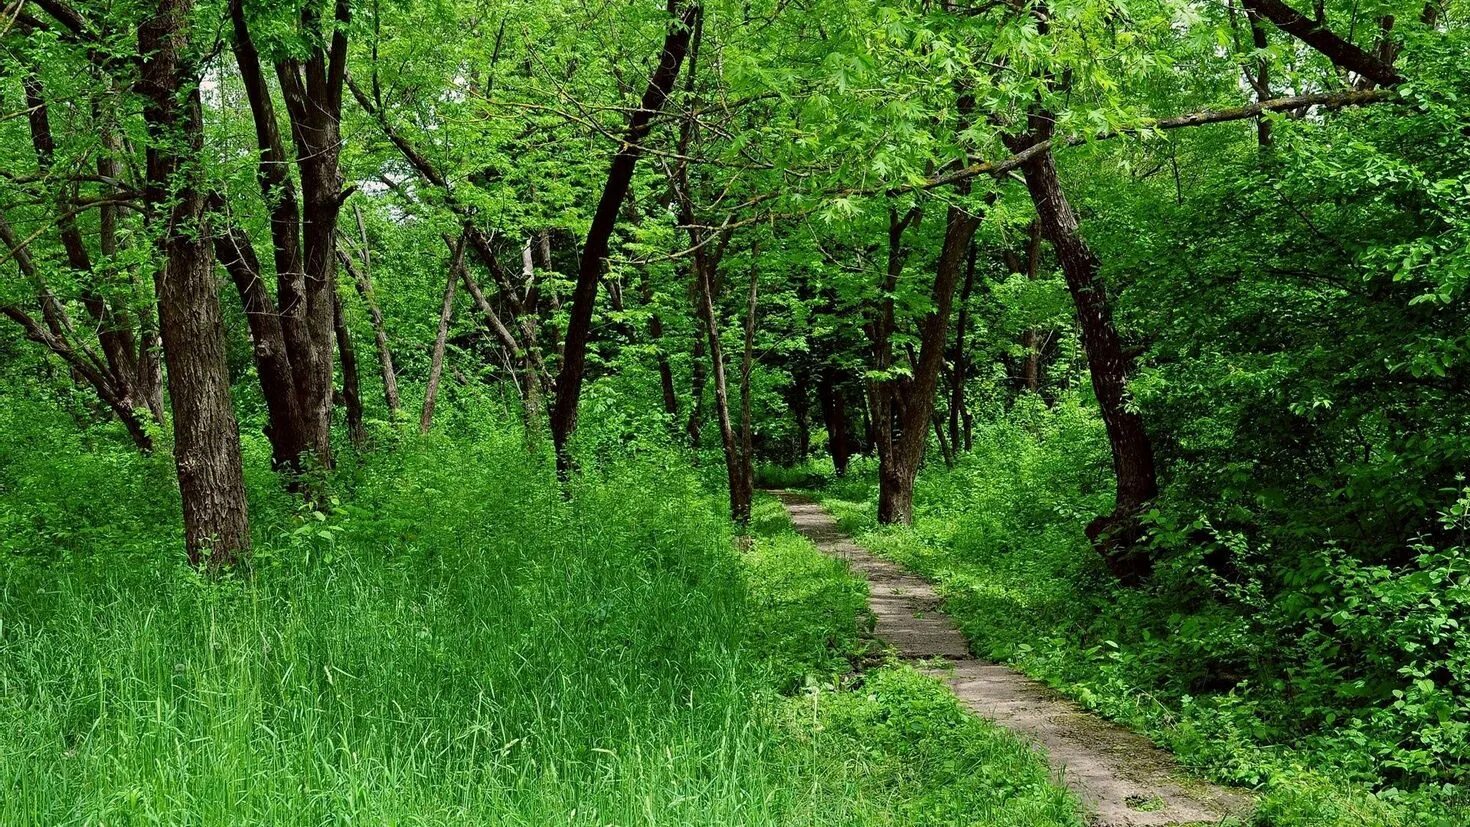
[(1120, 776)]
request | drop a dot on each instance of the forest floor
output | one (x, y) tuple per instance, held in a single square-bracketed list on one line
[(1121, 777)]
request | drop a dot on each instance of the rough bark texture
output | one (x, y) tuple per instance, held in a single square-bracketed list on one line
[(1115, 535), (595, 248), (1315, 34), (303, 229), (206, 435)]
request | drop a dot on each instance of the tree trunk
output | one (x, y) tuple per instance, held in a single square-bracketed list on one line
[(834, 415), (1316, 34), (747, 430), (351, 389), (1261, 80), (694, 427), (594, 250), (1115, 535), (958, 374), (655, 336), (740, 495), (206, 435), (798, 399), (284, 428), (903, 406), (303, 232), (446, 311), (362, 279)]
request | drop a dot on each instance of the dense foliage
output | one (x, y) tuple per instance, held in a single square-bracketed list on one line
[(376, 378)]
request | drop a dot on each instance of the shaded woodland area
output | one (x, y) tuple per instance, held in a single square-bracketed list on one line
[(1138, 325)]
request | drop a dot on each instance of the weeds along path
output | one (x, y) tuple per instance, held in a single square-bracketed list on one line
[(1121, 777)]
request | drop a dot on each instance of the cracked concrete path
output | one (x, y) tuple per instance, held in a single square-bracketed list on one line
[(1122, 778)]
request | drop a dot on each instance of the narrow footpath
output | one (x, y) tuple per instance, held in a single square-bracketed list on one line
[(1122, 778)]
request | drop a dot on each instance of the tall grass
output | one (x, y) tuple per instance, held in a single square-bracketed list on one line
[(454, 642)]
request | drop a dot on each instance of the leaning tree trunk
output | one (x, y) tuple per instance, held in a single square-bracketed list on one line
[(362, 279), (599, 235), (1115, 535), (283, 428), (436, 365), (914, 410), (206, 435), (740, 494)]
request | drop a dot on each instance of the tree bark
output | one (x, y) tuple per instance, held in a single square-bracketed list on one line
[(656, 336), (595, 248), (902, 407), (1115, 535), (694, 427), (304, 229), (735, 473), (1261, 81), (206, 435), (958, 359), (351, 388), (747, 429), (446, 311), (284, 428), (1315, 34), (362, 280), (834, 415)]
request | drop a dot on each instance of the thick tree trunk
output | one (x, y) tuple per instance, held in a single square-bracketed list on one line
[(284, 426), (595, 248), (303, 232), (1115, 535), (206, 435), (351, 388), (1315, 34), (903, 407), (436, 364)]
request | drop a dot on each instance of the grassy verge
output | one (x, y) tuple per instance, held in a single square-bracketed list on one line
[(888, 745), (454, 644), (1028, 592)]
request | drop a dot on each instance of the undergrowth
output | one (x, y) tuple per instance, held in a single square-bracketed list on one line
[(1211, 668), (454, 642)]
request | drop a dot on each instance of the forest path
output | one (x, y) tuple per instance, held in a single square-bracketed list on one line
[(1122, 778)]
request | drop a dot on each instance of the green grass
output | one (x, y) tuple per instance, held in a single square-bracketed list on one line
[(457, 644), (1002, 539)]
